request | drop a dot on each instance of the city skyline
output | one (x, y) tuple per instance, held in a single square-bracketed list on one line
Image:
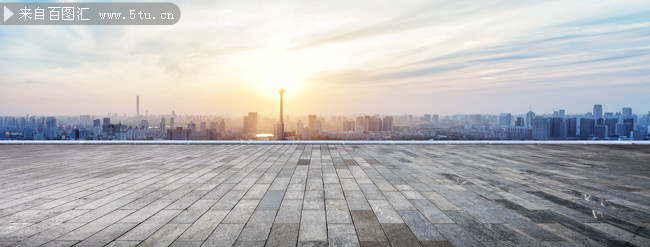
[(417, 57), (596, 125)]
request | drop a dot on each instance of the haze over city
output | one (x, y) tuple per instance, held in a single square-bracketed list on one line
[(418, 57)]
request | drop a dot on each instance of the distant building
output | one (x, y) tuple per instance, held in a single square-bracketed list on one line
[(587, 128), (312, 121), (571, 127), (388, 123), (250, 123), (299, 128), (540, 128), (518, 133), (519, 122), (434, 119), (557, 128), (530, 116), (627, 112), (28, 133), (172, 123), (179, 134), (598, 111), (348, 126), (50, 128), (505, 119), (628, 124), (203, 128), (163, 126), (601, 131)]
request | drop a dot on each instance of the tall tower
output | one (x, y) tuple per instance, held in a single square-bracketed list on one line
[(137, 106), (598, 111), (281, 126)]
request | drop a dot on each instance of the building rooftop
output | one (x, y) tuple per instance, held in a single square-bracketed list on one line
[(312, 195)]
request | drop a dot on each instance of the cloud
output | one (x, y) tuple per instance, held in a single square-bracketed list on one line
[(219, 56)]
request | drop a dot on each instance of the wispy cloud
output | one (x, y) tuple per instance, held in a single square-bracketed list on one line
[(373, 56)]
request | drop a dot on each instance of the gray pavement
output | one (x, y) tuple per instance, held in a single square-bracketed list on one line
[(319, 195)]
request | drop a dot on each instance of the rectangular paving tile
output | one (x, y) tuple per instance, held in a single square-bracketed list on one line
[(421, 227), (367, 226), (313, 226), (400, 235)]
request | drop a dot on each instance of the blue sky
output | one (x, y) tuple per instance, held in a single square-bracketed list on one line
[(339, 57)]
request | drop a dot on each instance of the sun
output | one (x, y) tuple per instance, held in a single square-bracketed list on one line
[(271, 69)]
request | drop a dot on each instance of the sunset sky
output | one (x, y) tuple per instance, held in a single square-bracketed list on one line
[(387, 57)]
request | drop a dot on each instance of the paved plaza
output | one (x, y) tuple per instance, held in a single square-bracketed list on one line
[(319, 195)]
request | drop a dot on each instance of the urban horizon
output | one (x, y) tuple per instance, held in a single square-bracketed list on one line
[(599, 124)]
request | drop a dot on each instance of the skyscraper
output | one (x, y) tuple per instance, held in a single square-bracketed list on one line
[(388, 123), (280, 135), (601, 131), (627, 112), (557, 128), (312, 120), (299, 128), (163, 126), (137, 106), (598, 111), (50, 128), (250, 122), (505, 119), (587, 128), (171, 123), (530, 116), (540, 128), (519, 122), (571, 127)]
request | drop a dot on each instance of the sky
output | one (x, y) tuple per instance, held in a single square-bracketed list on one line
[(339, 57)]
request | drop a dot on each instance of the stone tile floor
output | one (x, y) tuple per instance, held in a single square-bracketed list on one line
[(315, 195)]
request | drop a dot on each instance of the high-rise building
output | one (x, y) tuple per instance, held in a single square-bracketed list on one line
[(557, 128), (50, 128), (171, 123), (191, 127), (628, 123), (28, 133), (540, 128), (434, 118), (598, 111), (203, 128), (587, 128), (349, 126), (222, 125), (530, 116), (179, 134), (427, 118), (611, 125), (312, 120), (318, 127), (562, 113), (519, 122), (163, 126), (137, 106), (505, 119), (250, 123), (571, 127), (280, 128), (299, 128), (601, 131), (627, 112), (388, 123)]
